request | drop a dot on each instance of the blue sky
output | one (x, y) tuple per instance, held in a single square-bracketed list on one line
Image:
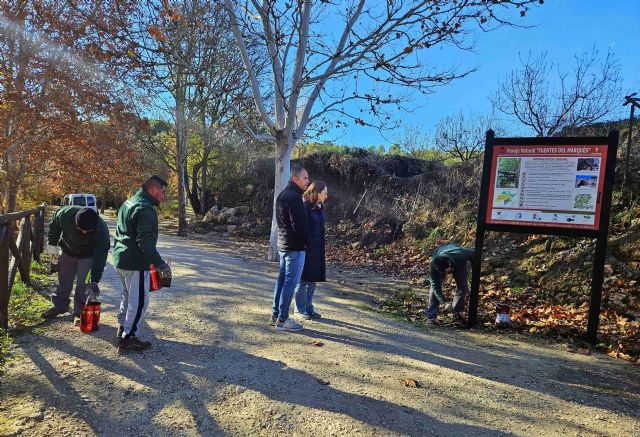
[(563, 28)]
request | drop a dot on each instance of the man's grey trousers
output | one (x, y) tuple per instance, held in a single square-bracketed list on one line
[(71, 268)]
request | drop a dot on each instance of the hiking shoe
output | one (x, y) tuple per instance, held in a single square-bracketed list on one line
[(315, 315), (76, 320), (53, 312), (119, 332), (303, 315), (288, 325), (433, 322), (458, 317), (273, 320), (133, 344)]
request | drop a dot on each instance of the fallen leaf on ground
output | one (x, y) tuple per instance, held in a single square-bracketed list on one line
[(410, 383), (317, 343)]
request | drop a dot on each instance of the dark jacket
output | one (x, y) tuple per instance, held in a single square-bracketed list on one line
[(63, 232), (293, 231), (458, 257), (137, 233), (314, 261)]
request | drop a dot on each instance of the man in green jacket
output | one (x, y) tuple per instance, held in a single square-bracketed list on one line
[(133, 253), (83, 238), (448, 259)]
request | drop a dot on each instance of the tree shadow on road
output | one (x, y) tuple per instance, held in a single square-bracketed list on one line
[(217, 368)]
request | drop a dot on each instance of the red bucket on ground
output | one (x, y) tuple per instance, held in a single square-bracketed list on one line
[(90, 316), (155, 282)]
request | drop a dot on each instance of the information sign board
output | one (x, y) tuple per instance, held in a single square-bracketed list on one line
[(548, 186), (554, 186)]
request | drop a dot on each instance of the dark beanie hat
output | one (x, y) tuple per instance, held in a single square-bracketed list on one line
[(442, 263), (87, 219)]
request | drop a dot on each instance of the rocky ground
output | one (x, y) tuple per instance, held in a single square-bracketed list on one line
[(217, 368)]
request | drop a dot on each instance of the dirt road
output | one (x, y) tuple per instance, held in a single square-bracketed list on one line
[(217, 368)]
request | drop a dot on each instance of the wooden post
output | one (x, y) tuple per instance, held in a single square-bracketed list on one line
[(15, 264), (633, 102), (25, 250), (472, 318), (38, 234), (4, 275), (628, 153), (30, 242), (41, 224), (597, 277)]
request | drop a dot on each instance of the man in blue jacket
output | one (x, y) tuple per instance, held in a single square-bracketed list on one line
[(448, 259), (293, 238)]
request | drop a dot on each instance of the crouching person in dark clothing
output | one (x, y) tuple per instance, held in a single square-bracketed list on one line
[(448, 259), (83, 238)]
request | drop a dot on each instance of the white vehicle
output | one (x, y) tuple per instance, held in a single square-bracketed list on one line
[(81, 199)]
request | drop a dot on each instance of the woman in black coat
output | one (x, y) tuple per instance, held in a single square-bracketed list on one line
[(314, 262)]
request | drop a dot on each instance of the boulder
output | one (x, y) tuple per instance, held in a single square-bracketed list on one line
[(211, 214), (231, 228), (194, 220), (242, 210), (200, 227), (230, 212)]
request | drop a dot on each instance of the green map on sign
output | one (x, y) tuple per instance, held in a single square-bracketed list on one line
[(506, 197)]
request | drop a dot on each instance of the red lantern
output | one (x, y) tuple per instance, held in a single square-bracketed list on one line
[(90, 316)]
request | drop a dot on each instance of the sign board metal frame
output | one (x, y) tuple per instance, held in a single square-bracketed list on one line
[(599, 232)]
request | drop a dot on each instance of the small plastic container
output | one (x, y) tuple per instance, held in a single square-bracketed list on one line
[(90, 316), (503, 314)]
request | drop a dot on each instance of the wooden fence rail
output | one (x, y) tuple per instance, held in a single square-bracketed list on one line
[(16, 253)]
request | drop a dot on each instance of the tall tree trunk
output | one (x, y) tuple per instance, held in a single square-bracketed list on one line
[(282, 175), (204, 175), (181, 152), (194, 192), (104, 200), (11, 198)]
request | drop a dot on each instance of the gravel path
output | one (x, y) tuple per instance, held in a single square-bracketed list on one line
[(217, 368)]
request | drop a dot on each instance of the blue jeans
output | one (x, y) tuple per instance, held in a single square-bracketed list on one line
[(291, 266), (304, 297)]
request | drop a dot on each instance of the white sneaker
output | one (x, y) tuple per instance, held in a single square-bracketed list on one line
[(288, 325)]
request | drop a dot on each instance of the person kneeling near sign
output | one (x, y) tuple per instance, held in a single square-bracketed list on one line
[(448, 259)]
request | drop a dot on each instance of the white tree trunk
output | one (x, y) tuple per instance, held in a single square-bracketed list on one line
[(282, 175)]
